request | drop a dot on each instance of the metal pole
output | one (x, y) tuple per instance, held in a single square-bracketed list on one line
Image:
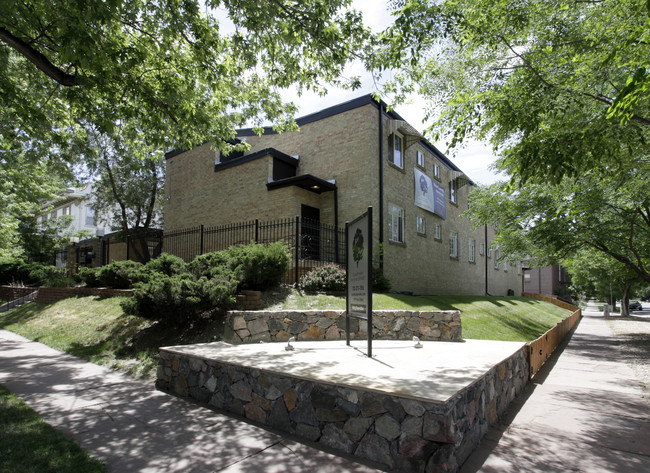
[(369, 282), (347, 285), (297, 255)]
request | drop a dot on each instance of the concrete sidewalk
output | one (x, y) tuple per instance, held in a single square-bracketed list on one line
[(585, 411), (131, 427)]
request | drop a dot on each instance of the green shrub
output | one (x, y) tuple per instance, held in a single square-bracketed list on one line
[(258, 266), (326, 278), (380, 283), (15, 270), (59, 280), (209, 264), (120, 274), (89, 276), (167, 264), (179, 298)]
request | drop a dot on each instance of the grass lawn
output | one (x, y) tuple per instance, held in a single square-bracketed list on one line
[(96, 329), (483, 317), (29, 445)]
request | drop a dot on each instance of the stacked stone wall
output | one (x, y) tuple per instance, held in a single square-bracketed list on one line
[(401, 433), (279, 326)]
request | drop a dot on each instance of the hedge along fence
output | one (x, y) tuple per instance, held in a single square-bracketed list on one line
[(541, 349)]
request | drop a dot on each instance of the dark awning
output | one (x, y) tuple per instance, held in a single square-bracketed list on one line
[(305, 181)]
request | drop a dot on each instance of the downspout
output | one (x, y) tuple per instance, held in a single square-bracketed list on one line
[(336, 223), (487, 293), (381, 184)]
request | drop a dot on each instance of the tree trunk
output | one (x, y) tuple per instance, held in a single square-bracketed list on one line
[(625, 302)]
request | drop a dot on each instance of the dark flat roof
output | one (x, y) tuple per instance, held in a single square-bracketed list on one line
[(259, 154)]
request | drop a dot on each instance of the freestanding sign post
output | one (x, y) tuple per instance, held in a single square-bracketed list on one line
[(358, 252)]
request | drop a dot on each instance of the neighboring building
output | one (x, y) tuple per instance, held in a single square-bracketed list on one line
[(344, 159), (550, 280), (77, 203)]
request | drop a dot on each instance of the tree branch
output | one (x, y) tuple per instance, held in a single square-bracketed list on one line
[(39, 60)]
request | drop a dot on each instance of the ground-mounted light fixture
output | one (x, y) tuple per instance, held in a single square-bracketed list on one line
[(417, 342), (290, 347)]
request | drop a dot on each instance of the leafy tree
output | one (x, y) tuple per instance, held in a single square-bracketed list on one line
[(128, 182), (41, 240), (24, 184), (609, 214), (595, 274), (559, 87), (169, 65), (169, 69)]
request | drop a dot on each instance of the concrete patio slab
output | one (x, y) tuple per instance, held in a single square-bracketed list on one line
[(434, 373)]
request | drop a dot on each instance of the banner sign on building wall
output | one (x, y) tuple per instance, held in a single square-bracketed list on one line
[(358, 235), (429, 195)]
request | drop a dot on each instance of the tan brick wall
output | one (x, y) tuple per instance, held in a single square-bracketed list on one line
[(422, 263), (344, 147)]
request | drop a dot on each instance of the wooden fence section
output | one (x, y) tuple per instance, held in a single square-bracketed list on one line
[(541, 349), (552, 299)]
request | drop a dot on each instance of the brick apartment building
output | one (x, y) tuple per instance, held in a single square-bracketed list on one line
[(344, 159)]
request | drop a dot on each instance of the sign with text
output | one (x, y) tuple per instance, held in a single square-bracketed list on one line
[(358, 235), (429, 195)]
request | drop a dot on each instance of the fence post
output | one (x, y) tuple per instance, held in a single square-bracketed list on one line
[(257, 230), (201, 248), (128, 247), (297, 255)]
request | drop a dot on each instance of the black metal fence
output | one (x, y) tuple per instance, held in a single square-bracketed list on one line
[(311, 243)]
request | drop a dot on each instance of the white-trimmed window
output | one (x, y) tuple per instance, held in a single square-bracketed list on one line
[(437, 231), (489, 252), (472, 251), (481, 249), (90, 216), (453, 244), (420, 225), (452, 191), (496, 259), (67, 210), (397, 152), (436, 171), (396, 223), (518, 267), (505, 266), (420, 159)]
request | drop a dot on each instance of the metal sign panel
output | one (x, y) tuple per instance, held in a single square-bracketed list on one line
[(358, 236)]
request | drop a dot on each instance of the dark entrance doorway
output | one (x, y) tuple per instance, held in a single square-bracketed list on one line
[(310, 232)]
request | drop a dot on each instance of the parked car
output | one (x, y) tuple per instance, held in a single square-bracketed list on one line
[(635, 305)]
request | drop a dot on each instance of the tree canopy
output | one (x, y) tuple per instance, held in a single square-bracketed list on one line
[(553, 222), (559, 87), (170, 65), (177, 73)]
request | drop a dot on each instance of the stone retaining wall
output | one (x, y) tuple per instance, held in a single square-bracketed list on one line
[(279, 326), (404, 434)]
